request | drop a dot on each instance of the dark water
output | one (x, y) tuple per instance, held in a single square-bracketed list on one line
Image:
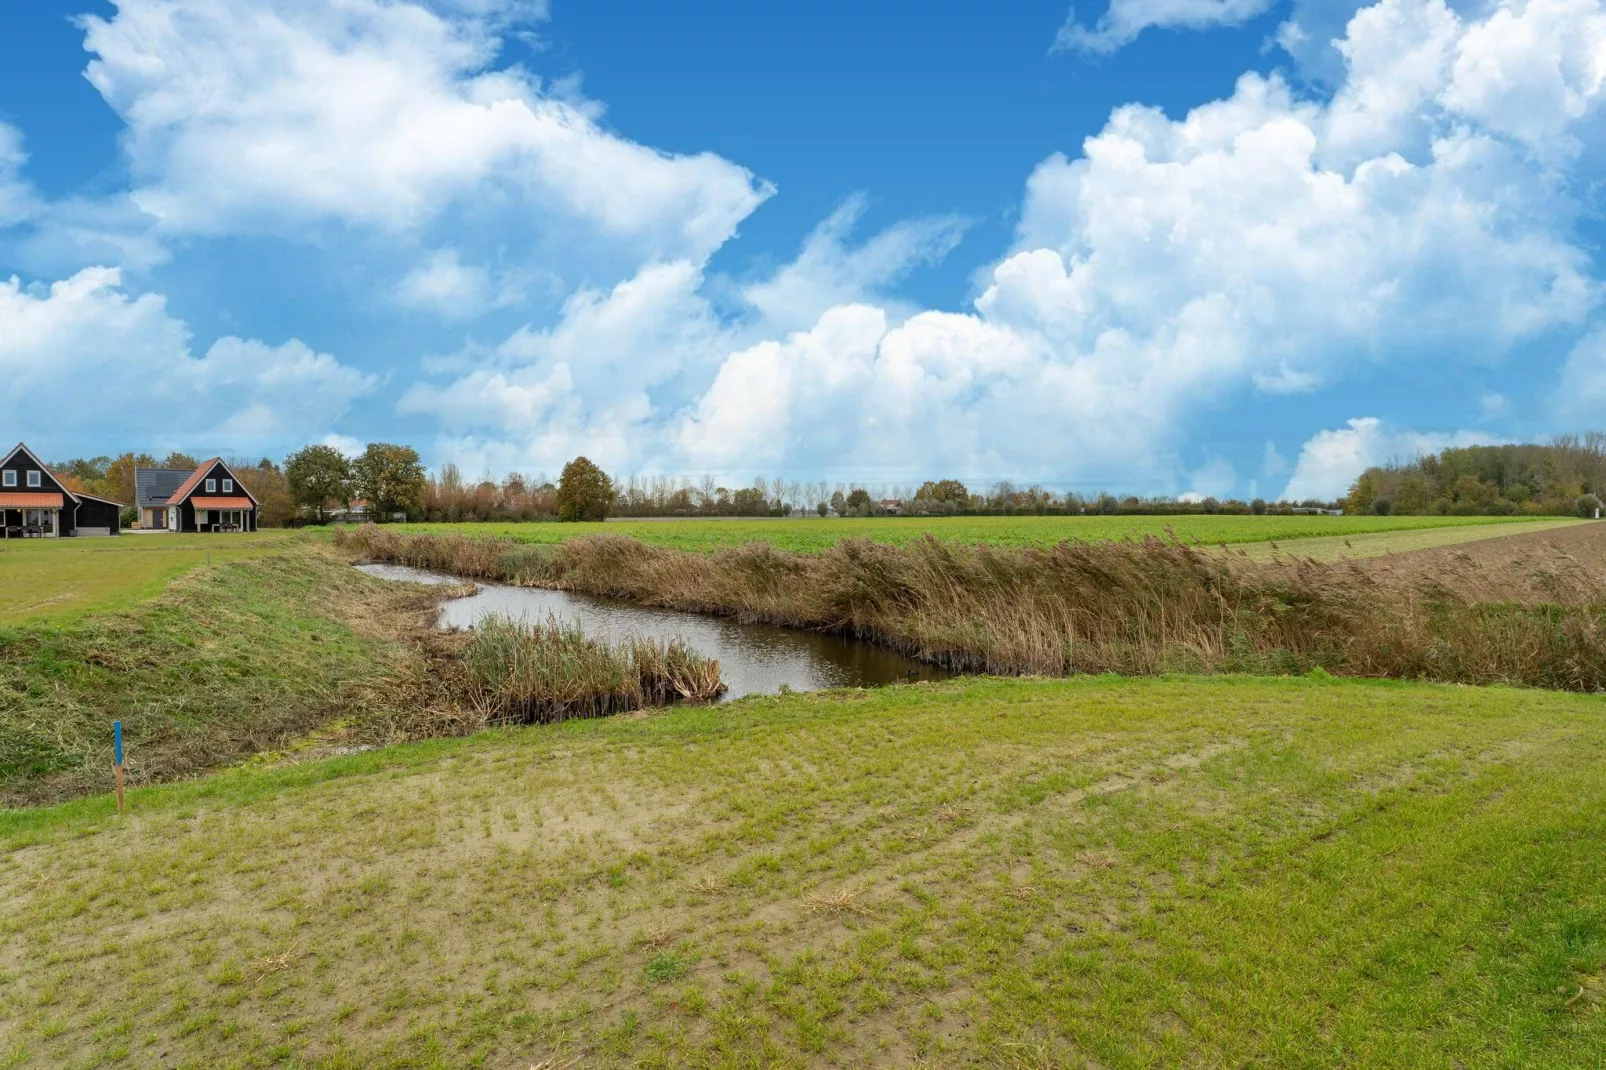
[(754, 659)]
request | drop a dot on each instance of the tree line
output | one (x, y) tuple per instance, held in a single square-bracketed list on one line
[(386, 481), (1563, 477)]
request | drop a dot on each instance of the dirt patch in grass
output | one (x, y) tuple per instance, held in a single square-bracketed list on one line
[(917, 874)]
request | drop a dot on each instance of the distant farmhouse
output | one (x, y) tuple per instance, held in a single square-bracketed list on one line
[(35, 504), (209, 499)]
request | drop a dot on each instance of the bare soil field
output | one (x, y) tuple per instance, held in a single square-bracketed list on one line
[(1561, 564), (1382, 543)]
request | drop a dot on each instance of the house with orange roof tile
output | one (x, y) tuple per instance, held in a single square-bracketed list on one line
[(209, 499), (34, 503)]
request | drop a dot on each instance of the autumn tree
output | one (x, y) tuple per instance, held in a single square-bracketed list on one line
[(318, 475), (269, 486), (584, 492), (120, 476), (180, 462), (947, 490), (391, 478)]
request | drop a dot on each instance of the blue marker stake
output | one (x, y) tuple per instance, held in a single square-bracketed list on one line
[(117, 749)]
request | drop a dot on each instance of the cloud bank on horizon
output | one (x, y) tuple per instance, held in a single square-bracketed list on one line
[(1420, 217)]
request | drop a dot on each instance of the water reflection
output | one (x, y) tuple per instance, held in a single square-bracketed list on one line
[(754, 659)]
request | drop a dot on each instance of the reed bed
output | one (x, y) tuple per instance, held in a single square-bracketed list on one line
[(525, 672), (1141, 607)]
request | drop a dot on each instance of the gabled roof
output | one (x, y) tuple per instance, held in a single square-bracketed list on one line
[(188, 486), (195, 477), (103, 501), (34, 457), (154, 486)]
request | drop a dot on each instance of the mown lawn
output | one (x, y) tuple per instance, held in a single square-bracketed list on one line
[(60, 579), (1101, 871), (808, 535)]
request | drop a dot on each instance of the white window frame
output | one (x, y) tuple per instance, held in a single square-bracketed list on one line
[(35, 478), (211, 486), (228, 486), (9, 479)]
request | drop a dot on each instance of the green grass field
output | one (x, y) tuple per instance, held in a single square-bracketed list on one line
[(1007, 873), (813, 534), (59, 579)]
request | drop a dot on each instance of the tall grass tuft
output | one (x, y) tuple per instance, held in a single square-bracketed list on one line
[(539, 672), (1128, 607)]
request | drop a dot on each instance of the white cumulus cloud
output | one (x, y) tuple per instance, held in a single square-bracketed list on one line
[(1179, 264), (119, 361), (1123, 20), (608, 377), (1582, 394), (17, 199), (830, 271), (251, 115)]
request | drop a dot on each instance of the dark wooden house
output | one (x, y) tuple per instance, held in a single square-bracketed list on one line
[(208, 499), (35, 504)]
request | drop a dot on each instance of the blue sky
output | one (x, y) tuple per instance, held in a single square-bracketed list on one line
[(1165, 246)]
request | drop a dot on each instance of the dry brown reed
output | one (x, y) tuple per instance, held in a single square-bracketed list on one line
[(1126, 607)]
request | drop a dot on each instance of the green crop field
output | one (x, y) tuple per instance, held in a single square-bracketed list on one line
[(57, 579), (809, 535), (1111, 872)]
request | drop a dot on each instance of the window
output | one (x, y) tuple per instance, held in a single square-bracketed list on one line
[(9, 479), (228, 486), (33, 478), (211, 486)]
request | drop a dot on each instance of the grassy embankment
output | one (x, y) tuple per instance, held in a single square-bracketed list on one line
[(1012, 873), (61, 579), (1136, 608), (241, 658), (230, 660), (813, 535)]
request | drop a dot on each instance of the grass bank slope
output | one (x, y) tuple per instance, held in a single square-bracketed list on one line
[(230, 660), (997, 872), (61, 579), (813, 535)]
